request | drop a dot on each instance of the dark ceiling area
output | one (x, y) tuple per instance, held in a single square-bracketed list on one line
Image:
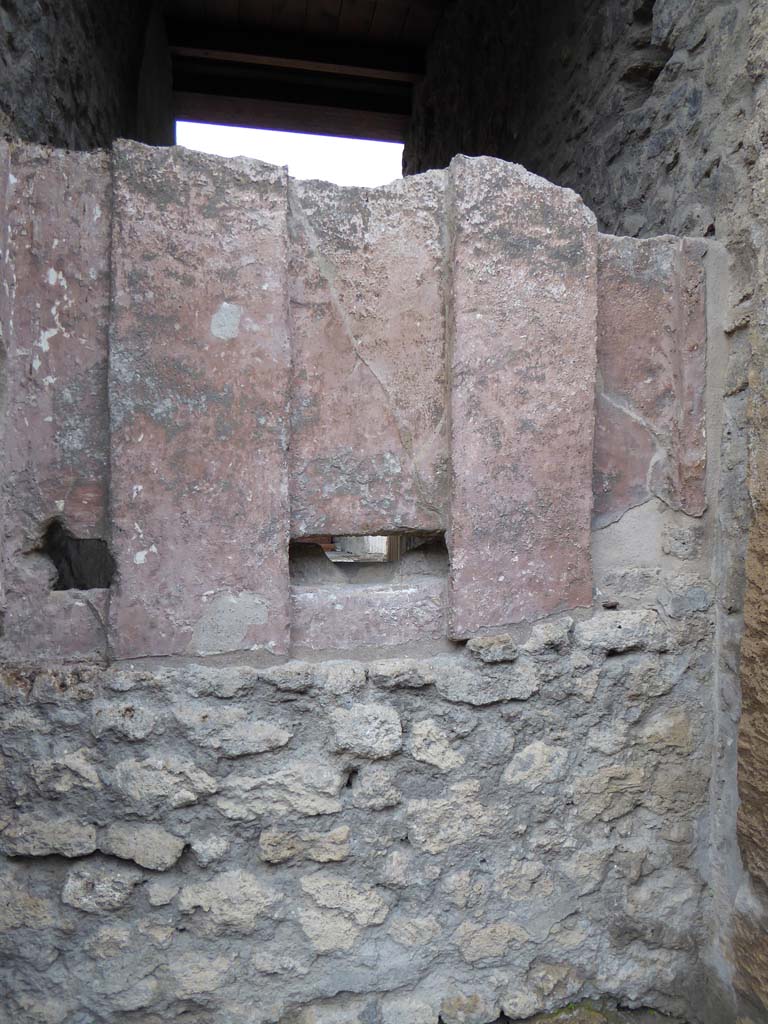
[(331, 67)]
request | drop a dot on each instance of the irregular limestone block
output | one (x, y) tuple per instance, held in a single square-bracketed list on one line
[(438, 825), (493, 649), (97, 886), (522, 396), (431, 745), (634, 629), (40, 835), (536, 764), (465, 682), (54, 306), (365, 905), (148, 845), (370, 730), (198, 392), (304, 787), (277, 845), (650, 432), (233, 901), (369, 447)]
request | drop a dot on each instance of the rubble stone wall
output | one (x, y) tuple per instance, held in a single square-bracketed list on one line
[(70, 72), (509, 828), (652, 111)]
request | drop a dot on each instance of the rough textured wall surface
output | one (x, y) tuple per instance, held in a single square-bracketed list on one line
[(472, 99), (648, 109), (752, 919), (70, 70), (349, 843), (437, 830)]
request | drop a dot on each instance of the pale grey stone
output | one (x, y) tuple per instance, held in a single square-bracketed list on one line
[(460, 817), (328, 930), (344, 1010), (365, 905), (414, 931), (147, 845), (234, 900), (370, 730), (684, 595), (667, 730), (549, 637), (209, 849), (295, 677), (395, 1009), (431, 744), (67, 772), (162, 891), (198, 972), (517, 882), (339, 678), (464, 683), (618, 631), (169, 780), (304, 786), (34, 835), (128, 718), (277, 845), (535, 765), (397, 673), (230, 731), (404, 868), (478, 942), (97, 886), (374, 788), (493, 649), (683, 542)]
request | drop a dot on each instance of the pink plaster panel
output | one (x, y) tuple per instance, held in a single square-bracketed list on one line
[(650, 438), (327, 618), (434, 341), (198, 388), (369, 447), (55, 308), (522, 397)]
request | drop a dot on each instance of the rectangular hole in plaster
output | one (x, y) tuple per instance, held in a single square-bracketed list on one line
[(81, 563), (382, 558)]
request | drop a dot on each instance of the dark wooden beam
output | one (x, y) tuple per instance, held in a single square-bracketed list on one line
[(313, 119), (291, 85), (295, 64), (331, 54)]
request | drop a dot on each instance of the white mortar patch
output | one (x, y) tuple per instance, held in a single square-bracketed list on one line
[(225, 322)]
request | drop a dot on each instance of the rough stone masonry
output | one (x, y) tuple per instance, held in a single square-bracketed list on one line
[(246, 786)]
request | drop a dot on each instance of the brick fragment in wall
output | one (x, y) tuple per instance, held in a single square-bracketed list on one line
[(54, 309), (523, 332), (650, 435), (198, 391)]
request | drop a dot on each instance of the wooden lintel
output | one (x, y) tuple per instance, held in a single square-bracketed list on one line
[(295, 64), (331, 54), (292, 117)]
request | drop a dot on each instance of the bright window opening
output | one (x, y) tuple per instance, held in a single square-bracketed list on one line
[(328, 158), (383, 548)]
